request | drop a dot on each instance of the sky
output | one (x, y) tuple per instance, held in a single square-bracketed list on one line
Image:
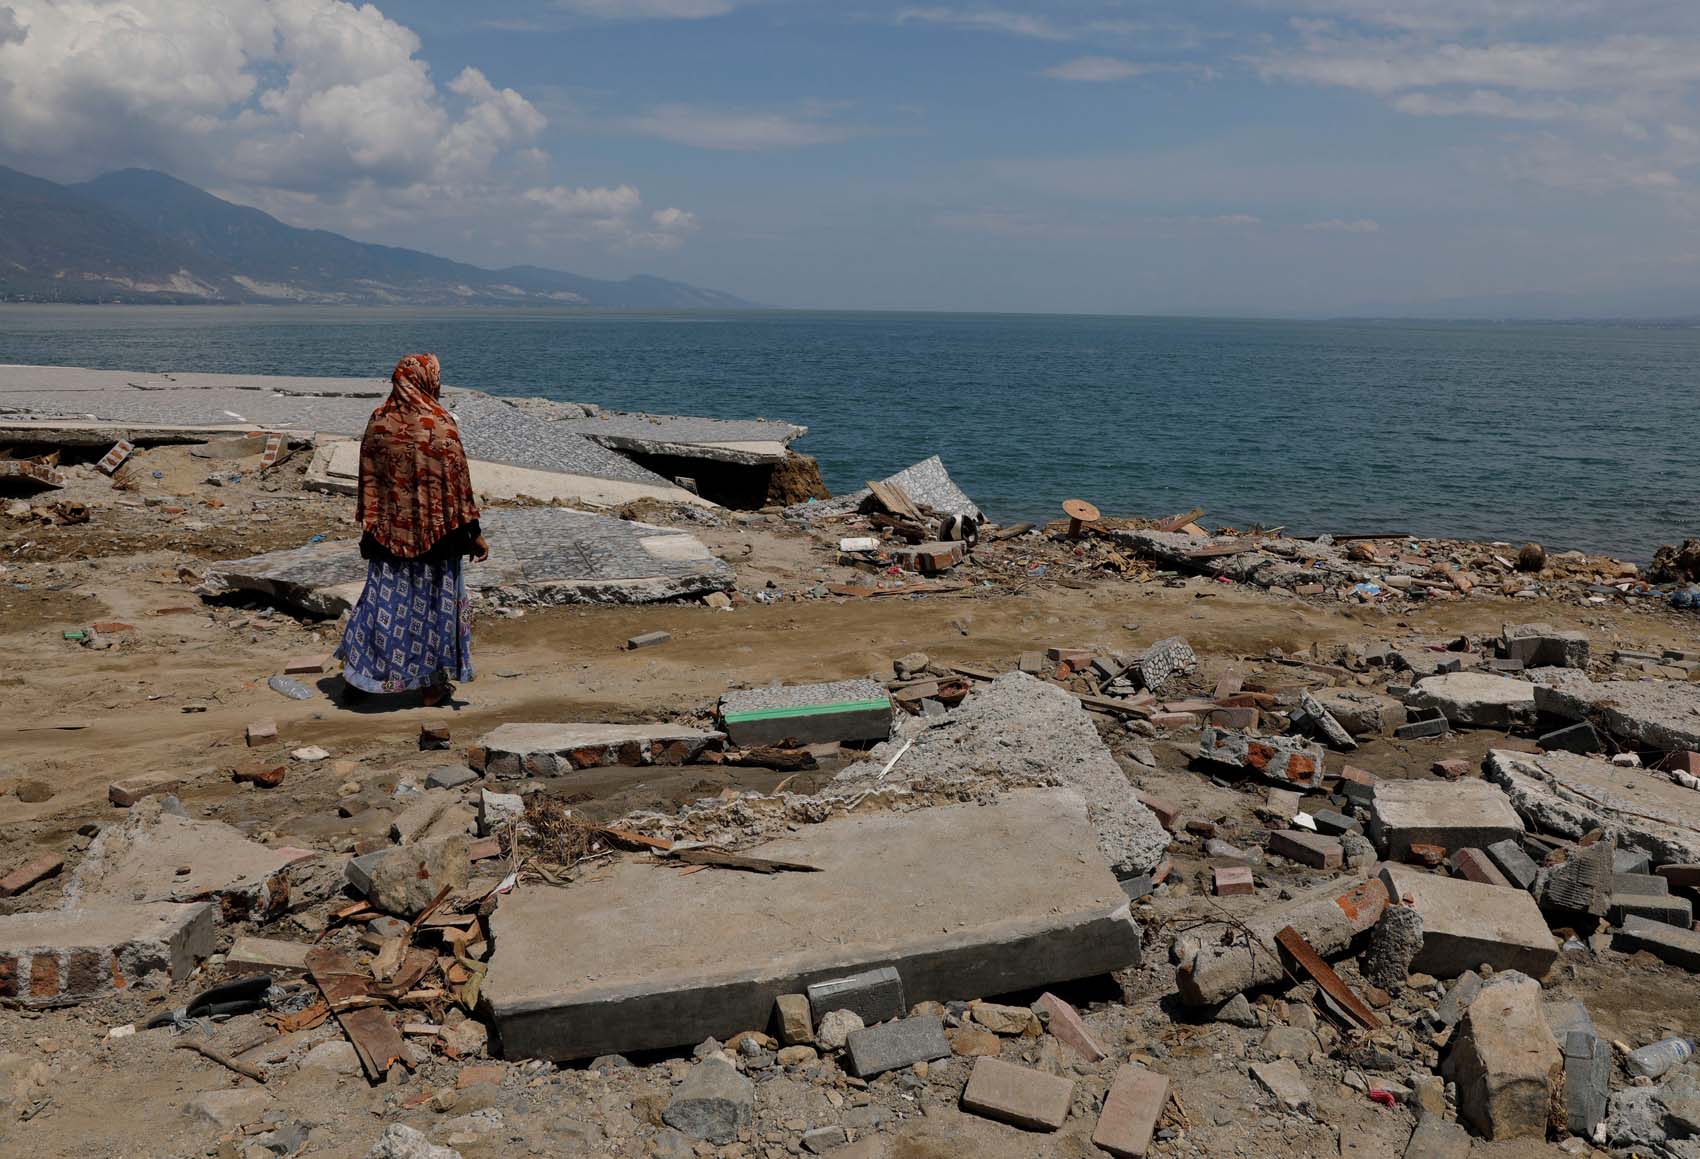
[(1268, 157)]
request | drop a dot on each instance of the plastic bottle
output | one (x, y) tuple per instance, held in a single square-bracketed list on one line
[(1656, 1058)]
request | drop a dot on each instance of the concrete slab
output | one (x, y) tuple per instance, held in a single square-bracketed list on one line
[(138, 859), (543, 555), (842, 710), (54, 957), (1466, 924), (1569, 795), (1476, 699), (1452, 814), (927, 483), (1028, 905), (744, 442), (512, 751), (1652, 714)]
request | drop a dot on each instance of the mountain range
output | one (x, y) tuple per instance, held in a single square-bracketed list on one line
[(142, 236)]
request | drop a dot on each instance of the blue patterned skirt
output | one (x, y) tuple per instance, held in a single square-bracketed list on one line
[(412, 627)]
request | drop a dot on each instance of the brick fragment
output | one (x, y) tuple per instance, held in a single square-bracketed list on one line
[(1312, 849), (1168, 814), (1233, 880), (1135, 1103), (1069, 1028), (1474, 865), (128, 791), (261, 732), (28, 874), (1017, 1095)]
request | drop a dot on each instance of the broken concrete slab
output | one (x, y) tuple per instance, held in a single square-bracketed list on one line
[(1323, 724), (1569, 795), (841, 710), (1027, 908), (1454, 815), (741, 442), (1017, 731), (1359, 711), (1587, 1065), (139, 858), (1466, 924), (55, 957), (1541, 646), (1328, 916), (512, 751), (546, 555), (1476, 699), (1505, 1060), (1647, 714), (1285, 760), (927, 484)]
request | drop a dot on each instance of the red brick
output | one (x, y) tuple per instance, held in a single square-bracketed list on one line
[(1452, 770), (21, 878), (1135, 1103), (487, 1073), (44, 976), (8, 976), (476, 755), (1422, 853), (1168, 814), (302, 665), (1682, 761), (1234, 880), (128, 791), (261, 732), (668, 752), (87, 974), (1204, 829), (1310, 849), (1357, 775), (1172, 720), (1474, 865), (1017, 1094)]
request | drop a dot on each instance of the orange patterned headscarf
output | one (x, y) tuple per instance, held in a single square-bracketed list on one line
[(414, 483)]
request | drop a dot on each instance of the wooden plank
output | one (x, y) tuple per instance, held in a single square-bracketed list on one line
[(895, 500), (974, 672), (721, 860), (1223, 550), (1179, 521), (376, 1040), (1111, 705)]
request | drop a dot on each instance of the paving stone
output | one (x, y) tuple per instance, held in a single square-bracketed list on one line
[(1030, 906), (1018, 1095), (648, 640), (52, 957), (1677, 946), (844, 710), (1135, 1103), (1332, 824), (1466, 925), (126, 792), (449, 777), (1453, 816), (1423, 729), (1233, 880), (890, 1045), (714, 1102), (1505, 1060), (1310, 849), (873, 995)]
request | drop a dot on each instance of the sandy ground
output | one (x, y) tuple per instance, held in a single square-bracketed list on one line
[(183, 678)]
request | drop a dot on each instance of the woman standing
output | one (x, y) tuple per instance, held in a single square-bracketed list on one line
[(412, 627)]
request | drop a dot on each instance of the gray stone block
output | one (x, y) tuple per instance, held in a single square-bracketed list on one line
[(714, 1102), (1510, 859), (1633, 861), (1422, 730), (449, 777), (878, 1049), (1332, 824), (1587, 1065), (1675, 911), (874, 996), (1572, 738)]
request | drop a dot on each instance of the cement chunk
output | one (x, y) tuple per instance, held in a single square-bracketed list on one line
[(1570, 795), (1649, 714), (53, 957), (1455, 815), (1476, 699), (1506, 1062), (1028, 903), (1283, 1080), (512, 751), (139, 858), (1283, 760), (714, 1102), (1466, 924), (1679, 947)]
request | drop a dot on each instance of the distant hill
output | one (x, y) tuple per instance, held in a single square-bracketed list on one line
[(141, 236)]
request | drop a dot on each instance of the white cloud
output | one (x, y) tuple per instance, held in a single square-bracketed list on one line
[(674, 220), (1094, 69), (735, 129), (1344, 225), (600, 201), (647, 9), (987, 20)]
